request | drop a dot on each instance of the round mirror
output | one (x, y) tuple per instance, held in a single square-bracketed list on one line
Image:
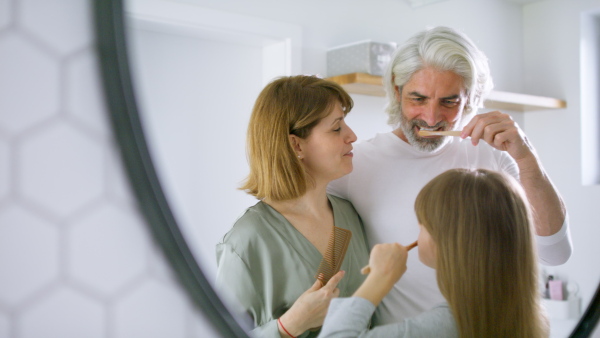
[(197, 67)]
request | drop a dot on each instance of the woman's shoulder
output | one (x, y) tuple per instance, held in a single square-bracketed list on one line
[(343, 207), (252, 225), (346, 216), (341, 203), (252, 214)]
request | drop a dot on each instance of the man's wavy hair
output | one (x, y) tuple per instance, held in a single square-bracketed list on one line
[(444, 49)]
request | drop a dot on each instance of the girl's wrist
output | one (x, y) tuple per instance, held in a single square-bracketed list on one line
[(374, 288), (383, 279)]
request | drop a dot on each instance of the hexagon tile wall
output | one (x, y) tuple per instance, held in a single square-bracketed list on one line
[(76, 259)]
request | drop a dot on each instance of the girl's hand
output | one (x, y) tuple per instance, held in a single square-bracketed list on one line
[(387, 264), (388, 261)]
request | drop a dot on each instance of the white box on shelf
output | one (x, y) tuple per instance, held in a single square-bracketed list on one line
[(359, 57), (563, 309)]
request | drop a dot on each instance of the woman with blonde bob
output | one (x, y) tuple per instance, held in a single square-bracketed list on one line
[(297, 143), (477, 232)]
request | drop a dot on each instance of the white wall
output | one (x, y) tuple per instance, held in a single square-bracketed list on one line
[(495, 25), (552, 67), (196, 97)]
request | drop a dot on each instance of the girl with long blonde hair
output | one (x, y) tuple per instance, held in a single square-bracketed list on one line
[(477, 232)]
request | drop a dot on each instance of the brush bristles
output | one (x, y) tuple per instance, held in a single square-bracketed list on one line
[(334, 255)]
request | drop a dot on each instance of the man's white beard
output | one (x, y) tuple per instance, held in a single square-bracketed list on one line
[(421, 143)]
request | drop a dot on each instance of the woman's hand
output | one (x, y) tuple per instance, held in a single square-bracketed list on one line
[(310, 308)]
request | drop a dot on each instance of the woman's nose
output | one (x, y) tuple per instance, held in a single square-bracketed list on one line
[(351, 138)]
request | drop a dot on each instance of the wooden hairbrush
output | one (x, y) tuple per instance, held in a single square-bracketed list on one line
[(334, 256)]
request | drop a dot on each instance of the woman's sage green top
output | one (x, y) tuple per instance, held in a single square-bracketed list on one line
[(266, 264)]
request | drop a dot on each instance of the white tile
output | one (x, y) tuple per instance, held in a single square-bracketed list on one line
[(5, 12), (160, 266), (66, 25), (108, 248), (60, 168), (63, 313), (153, 310), (118, 183), (85, 100), (4, 169), (596, 331), (4, 325), (29, 85), (201, 327), (29, 254)]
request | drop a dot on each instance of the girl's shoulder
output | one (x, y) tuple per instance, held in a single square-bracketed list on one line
[(438, 321)]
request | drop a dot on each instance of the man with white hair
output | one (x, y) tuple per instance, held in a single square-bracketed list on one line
[(435, 82)]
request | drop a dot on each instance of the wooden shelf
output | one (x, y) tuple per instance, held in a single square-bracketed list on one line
[(521, 102), (366, 84), (360, 83)]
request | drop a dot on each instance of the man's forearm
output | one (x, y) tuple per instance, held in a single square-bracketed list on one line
[(549, 211)]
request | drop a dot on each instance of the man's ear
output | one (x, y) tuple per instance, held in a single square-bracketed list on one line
[(396, 89), (466, 106), (296, 143)]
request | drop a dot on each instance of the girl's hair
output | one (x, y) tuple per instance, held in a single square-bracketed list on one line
[(444, 49), (288, 105), (486, 262)]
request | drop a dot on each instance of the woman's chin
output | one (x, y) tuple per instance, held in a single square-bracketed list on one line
[(342, 173)]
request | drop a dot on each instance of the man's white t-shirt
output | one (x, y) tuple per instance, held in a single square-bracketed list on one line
[(387, 176)]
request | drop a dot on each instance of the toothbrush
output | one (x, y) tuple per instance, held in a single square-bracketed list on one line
[(423, 132), (366, 269)]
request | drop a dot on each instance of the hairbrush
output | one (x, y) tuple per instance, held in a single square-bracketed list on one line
[(334, 256)]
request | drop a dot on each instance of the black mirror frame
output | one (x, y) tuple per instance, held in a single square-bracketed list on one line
[(121, 102), (120, 98)]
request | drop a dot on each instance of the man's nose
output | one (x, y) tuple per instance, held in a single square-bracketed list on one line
[(431, 113)]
